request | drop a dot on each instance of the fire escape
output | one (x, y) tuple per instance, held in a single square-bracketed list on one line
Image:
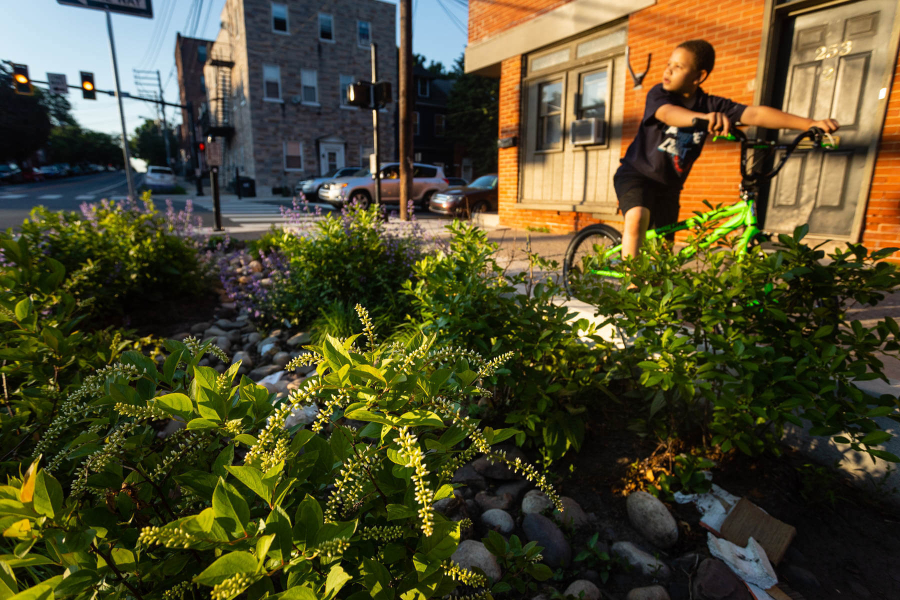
[(216, 116)]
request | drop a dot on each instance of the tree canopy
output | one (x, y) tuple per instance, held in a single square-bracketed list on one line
[(148, 144), (24, 120), (473, 108)]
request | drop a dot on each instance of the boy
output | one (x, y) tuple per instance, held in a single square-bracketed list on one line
[(648, 182)]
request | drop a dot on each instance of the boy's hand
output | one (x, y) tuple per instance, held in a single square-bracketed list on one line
[(719, 123), (826, 125)]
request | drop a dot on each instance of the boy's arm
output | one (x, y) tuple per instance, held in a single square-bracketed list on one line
[(678, 116), (772, 118)]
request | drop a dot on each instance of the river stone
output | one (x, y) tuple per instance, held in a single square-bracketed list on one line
[(583, 589), (654, 592), (220, 368), (499, 470), (246, 360), (224, 343), (255, 266), (235, 336), (536, 502), (488, 501), (214, 332), (498, 520), (254, 337), (200, 327), (449, 506), (572, 516), (514, 488), (557, 551), (648, 565), (227, 325), (472, 554), (651, 517), (716, 581), (281, 359), (299, 339), (468, 476), (263, 371)]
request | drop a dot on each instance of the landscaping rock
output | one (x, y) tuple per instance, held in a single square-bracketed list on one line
[(583, 589), (499, 470), (294, 385), (514, 489), (204, 362), (200, 327), (651, 517), (654, 592), (646, 564), (471, 554), (246, 361), (255, 266), (299, 339), (263, 371), (859, 590), (449, 506), (536, 502), (557, 551), (224, 343), (572, 516), (180, 336), (254, 338), (235, 336), (498, 520), (468, 476), (220, 368), (227, 325), (304, 414), (214, 332), (799, 577), (715, 581), (269, 346), (281, 359), (488, 501)]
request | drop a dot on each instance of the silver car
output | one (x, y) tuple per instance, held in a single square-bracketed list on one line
[(427, 180), (309, 187)]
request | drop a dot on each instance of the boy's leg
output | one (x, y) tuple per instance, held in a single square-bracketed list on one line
[(637, 220)]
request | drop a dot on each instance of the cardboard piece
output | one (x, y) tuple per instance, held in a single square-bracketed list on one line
[(746, 520)]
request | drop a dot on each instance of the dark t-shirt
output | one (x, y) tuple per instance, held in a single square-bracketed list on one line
[(666, 154)]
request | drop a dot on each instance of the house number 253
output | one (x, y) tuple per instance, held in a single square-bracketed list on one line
[(823, 52)]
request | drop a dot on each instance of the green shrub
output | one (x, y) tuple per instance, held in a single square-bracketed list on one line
[(117, 254), (732, 348), (235, 503), (465, 298)]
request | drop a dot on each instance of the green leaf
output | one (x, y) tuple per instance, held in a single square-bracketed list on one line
[(225, 458), (42, 591), (419, 418), (298, 593), (335, 354), (365, 415), (253, 479), (230, 509), (368, 372), (176, 405), (23, 309), (399, 511), (377, 580), (48, 495), (227, 566), (308, 520), (201, 424), (337, 578), (876, 438), (279, 523)]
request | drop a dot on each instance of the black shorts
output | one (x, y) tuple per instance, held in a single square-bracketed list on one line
[(634, 189)]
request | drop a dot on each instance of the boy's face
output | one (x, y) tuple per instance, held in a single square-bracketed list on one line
[(681, 75)]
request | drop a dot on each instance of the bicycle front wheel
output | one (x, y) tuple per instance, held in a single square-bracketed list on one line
[(586, 243)]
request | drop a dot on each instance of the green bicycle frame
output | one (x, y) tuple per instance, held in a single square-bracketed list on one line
[(742, 214)]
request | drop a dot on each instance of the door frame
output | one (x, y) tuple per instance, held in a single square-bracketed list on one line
[(324, 146), (765, 77)]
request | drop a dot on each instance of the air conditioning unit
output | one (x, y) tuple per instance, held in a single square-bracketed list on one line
[(586, 132)]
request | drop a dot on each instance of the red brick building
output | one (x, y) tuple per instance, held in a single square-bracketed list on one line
[(561, 61)]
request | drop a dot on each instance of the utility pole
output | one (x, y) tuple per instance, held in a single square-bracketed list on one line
[(195, 157), (375, 147), (125, 153), (162, 107), (406, 132)]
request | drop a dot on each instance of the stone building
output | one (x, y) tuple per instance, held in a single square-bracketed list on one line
[(276, 79), (190, 60)]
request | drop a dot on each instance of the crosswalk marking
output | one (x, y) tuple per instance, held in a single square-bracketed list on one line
[(85, 197), (50, 197), (11, 196)]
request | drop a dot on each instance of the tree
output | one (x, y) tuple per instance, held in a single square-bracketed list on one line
[(147, 143), (472, 114), (59, 109), (24, 120), (71, 144), (435, 67)]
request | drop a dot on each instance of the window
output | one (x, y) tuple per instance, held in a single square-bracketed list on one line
[(309, 82), (293, 156), (346, 81), (201, 53), (550, 115), (424, 172), (326, 28), (424, 88), (271, 82), (594, 90), (364, 33), (279, 18), (415, 123), (440, 125)]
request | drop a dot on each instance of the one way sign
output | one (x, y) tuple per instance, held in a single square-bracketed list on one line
[(135, 8)]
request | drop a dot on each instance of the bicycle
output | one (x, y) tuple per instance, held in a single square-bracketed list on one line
[(742, 214)]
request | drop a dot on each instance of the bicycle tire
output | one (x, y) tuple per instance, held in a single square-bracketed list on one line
[(582, 244)]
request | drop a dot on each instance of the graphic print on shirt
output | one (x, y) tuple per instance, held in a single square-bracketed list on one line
[(683, 145)]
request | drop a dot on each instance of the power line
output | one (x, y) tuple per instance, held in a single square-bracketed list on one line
[(156, 27), (157, 46), (206, 19), (453, 18), (197, 19)]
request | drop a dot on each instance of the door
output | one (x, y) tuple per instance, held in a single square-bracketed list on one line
[(331, 157), (837, 61), (390, 183)]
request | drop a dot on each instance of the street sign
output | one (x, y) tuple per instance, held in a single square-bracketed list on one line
[(57, 83), (135, 8), (214, 154)]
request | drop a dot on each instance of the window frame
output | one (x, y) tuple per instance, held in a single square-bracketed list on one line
[(333, 39), (443, 127), (284, 157), (416, 123), (303, 99), (427, 93), (578, 109), (205, 52), (287, 18), (539, 129), (358, 23), (342, 92), (266, 97)]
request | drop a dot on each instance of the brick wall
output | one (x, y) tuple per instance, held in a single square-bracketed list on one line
[(882, 224), (487, 17), (190, 87)]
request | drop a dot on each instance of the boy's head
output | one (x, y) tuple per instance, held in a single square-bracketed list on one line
[(689, 66)]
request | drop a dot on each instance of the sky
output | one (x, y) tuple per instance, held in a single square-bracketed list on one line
[(49, 37)]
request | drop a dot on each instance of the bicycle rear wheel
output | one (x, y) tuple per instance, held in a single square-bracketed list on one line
[(583, 245)]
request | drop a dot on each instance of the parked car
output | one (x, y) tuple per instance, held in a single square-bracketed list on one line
[(159, 179), (309, 188), (64, 169), (10, 173), (457, 182), (49, 171), (31, 174), (478, 196), (427, 180)]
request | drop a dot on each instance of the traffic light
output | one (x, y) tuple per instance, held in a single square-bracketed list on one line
[(360, 94), (382, 91), (201, 146), (87, 86), (22, 81)]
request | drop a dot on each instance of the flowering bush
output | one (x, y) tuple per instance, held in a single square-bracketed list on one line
[(236, 503), (120, 253)]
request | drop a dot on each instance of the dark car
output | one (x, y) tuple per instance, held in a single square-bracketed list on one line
[(478, 196), (10, 173), (457, 182), (30, 174)]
